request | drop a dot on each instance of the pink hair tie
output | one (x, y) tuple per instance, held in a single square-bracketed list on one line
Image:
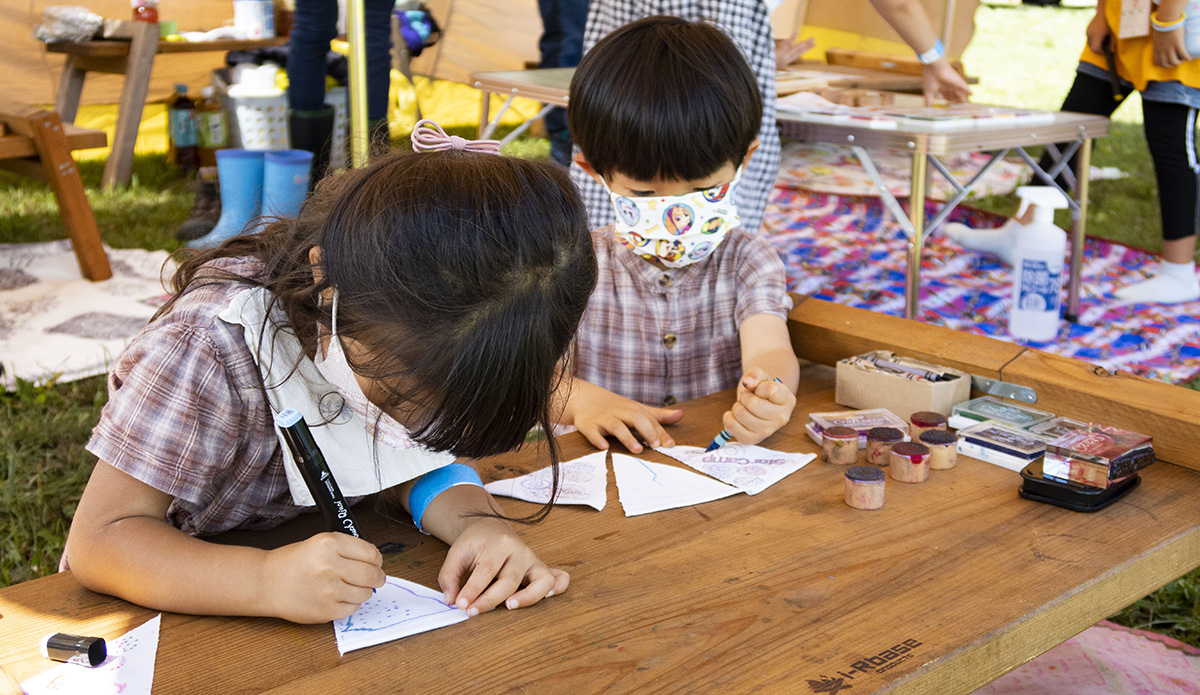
[(434, 139)]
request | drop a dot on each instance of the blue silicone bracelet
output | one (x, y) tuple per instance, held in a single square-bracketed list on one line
[(933, 54), (436, 482)]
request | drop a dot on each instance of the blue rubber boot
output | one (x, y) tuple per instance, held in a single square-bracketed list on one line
[(285, 182), (240, 178)]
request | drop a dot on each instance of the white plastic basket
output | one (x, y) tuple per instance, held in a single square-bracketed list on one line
[(255, 123), (259, 123)]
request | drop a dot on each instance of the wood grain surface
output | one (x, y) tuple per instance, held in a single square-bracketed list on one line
[(954, 582)]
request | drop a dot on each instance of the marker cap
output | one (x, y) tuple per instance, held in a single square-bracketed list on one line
[(74, 649)]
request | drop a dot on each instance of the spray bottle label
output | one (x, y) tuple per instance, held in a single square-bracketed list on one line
[(1040, 287)]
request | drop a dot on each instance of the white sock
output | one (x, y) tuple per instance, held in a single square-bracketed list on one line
[(1175, 283), (1001, 242)]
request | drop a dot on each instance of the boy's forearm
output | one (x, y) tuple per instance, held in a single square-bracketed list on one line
[(780, 364), (147, 562), (767, 344)]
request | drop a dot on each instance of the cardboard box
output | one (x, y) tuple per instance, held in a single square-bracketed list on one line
[(859, 386)]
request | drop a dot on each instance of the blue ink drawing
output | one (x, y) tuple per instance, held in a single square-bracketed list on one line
[(383, 612), (399, 609), (653, 474)]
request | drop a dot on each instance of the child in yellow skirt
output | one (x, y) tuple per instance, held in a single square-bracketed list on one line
[(1153, 60)]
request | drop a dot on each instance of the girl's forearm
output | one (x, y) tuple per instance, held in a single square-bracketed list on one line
[(453, 510), (147, 562)]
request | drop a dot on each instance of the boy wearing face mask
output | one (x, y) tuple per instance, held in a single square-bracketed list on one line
[(665, 114)]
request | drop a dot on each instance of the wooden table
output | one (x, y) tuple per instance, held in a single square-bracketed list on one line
[(926, 144), (953, 583), (131, 54)]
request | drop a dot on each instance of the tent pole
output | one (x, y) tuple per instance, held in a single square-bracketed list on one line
[(356, 37)]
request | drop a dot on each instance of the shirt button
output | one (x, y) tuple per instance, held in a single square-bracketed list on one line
[(669, 401), (669, 340), (664, 280)]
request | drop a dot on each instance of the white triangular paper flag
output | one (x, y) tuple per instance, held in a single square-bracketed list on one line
[(398, 609), (645, 486), (581, 481), (749, 468)]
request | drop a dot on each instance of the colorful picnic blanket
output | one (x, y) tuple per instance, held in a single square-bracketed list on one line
[(848, 250), (1107, 659)]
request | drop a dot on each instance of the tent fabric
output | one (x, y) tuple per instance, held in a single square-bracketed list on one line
[(833, 14), (477, 35), (28, 74)]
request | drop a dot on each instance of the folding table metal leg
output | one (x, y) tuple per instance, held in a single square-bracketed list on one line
[(916, 240), (487, 128), (485, 104)]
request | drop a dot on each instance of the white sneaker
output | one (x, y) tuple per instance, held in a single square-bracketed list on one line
[(1162, 289), (1000, 242)]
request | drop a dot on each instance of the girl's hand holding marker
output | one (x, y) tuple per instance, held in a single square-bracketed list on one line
[(320, 579)]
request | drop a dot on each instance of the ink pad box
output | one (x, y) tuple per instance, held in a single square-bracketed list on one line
[(1098, 455), (859, 420), (989, 408), (1001, 444), (1057, 427), (1036, 486)]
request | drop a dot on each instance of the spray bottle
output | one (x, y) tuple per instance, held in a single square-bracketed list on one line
[(1038, 269)]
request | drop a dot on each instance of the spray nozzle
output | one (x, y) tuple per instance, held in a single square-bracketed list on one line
[(1043, 199)]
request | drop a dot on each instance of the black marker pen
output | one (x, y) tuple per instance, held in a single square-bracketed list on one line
[(317, 476)]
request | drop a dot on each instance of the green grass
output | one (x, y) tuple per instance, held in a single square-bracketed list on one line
[(143, 215), (43, 469), (43, 466)]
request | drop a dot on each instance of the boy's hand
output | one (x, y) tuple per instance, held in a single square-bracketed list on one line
[(324, 578), (597, 412), (499, 564), (763, 406)]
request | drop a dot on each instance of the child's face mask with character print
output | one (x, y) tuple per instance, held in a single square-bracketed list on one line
[(676, 230)]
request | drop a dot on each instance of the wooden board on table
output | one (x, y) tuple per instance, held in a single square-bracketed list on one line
[(825, 332)]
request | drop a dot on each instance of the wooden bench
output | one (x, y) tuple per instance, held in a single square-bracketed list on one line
[(37, 144)]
